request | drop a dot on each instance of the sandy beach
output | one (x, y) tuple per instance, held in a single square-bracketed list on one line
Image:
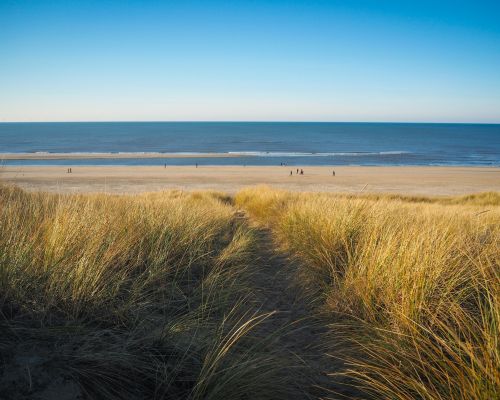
[(353, 179)]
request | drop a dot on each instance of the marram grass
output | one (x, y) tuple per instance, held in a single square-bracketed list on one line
[(154, 296), (411, 286), (129, 297)]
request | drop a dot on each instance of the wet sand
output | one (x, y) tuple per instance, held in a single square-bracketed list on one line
[(352, 179)]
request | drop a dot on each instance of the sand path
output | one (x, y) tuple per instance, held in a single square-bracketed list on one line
[(302, 332)]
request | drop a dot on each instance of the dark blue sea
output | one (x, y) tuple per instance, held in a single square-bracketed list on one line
[(257, 143)]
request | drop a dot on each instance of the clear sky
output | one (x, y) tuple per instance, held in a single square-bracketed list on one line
[(253, 60)]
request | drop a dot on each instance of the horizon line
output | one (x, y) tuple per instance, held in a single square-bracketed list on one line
[(251, 121)]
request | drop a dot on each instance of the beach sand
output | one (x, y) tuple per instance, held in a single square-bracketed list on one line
[(351, 179)]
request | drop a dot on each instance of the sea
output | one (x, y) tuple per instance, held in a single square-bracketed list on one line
[(255, 143)]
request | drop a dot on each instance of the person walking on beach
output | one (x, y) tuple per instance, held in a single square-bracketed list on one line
[(291, 173), (333, 173), (301, 172), (297, 171)]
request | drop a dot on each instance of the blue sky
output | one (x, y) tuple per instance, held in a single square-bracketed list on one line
[(253, 60)]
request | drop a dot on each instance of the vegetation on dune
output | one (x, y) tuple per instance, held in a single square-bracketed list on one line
[(410, 287), (129, 297), (157, 295), (475, 199)]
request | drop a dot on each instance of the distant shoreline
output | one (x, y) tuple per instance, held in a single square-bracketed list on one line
[(42, 155)]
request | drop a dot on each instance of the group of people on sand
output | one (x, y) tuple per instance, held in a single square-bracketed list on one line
[(298, 172), (301, 172)]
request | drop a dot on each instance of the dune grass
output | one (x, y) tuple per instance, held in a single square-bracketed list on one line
[(136, 297), (410, 287), (153, 296)]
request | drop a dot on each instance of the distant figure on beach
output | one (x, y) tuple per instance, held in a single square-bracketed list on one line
[(301, 172), (297, 171), (333, 172), (291, 173)]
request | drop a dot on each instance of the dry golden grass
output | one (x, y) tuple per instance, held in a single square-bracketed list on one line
[(412, 285), (153, 296), (129, 297)]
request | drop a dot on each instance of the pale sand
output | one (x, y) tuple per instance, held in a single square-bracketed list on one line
[(352, 179)]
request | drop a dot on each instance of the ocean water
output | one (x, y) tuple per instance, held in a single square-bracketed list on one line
[(258, 143)]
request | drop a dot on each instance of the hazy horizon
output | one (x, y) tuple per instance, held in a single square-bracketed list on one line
[(280, 61), (248, 121)]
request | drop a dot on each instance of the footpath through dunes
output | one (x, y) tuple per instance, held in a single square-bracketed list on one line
[(172, 295), (301, 333), (201, 295)]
